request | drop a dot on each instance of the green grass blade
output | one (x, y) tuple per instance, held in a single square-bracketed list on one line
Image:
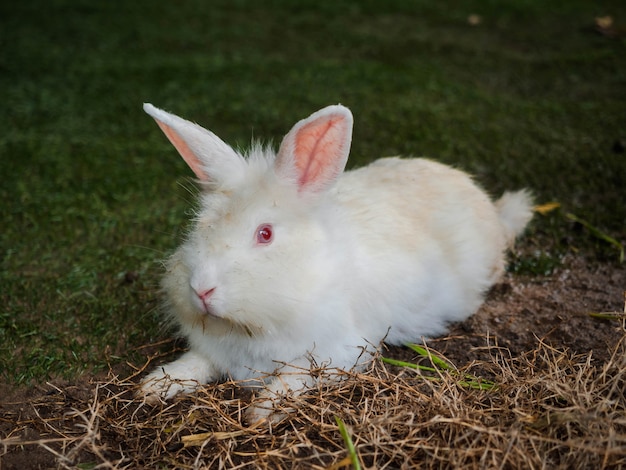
[(598, 234), (468, 381), (437, 361), (476, 383), (354, 458), (396, 362), (615, 316)]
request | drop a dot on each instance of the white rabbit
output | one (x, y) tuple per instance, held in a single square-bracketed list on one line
[(291, 260)]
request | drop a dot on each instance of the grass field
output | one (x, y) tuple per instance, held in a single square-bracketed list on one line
[(521, 94)]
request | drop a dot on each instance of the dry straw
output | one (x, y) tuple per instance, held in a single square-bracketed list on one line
[(549, 408)]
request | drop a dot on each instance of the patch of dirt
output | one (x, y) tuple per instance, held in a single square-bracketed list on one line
[(555, 309), (559, 401)]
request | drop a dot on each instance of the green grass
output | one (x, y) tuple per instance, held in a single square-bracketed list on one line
[(93, 196), (439, 366), (345, 434)]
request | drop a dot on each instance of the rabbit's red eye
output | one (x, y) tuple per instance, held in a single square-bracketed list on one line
[(264, 234)]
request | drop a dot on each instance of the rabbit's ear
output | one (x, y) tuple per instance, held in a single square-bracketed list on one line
[(315, 150), (205, 153)]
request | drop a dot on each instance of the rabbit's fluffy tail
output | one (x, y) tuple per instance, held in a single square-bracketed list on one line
[(515, 210)]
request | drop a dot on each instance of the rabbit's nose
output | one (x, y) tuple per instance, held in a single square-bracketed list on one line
[(205, 295)]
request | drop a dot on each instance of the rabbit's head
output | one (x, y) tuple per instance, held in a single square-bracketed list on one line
[(262, 248)]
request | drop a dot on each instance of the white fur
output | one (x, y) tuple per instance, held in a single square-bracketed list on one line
[(395, 250)]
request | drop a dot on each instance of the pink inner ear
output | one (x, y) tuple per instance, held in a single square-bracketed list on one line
[(190, 158), (318, 146)]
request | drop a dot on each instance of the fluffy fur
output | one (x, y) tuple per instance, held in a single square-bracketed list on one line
[(395, 251)]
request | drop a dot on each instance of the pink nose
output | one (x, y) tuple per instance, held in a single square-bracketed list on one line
[(205, 295)]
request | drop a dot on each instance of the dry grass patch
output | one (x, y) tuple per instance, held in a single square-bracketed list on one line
[(549, 409)]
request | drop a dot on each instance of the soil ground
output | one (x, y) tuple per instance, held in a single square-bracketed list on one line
[(522, 310), (519, 313)]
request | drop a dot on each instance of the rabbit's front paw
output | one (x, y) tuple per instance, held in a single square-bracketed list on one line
[(159, 386), (271, 405), (184, 375), (265, 413)]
